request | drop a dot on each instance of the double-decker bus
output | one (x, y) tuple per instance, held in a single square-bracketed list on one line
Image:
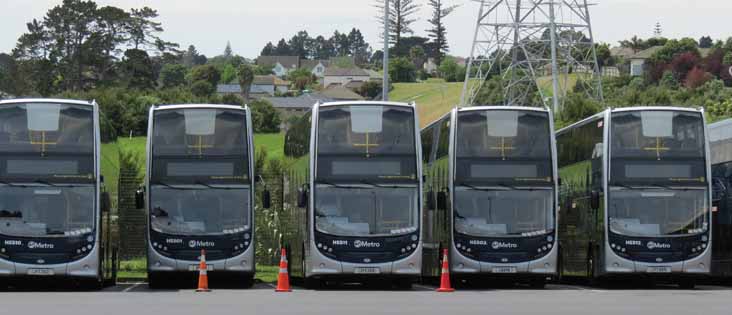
[(720, 143), (353, 190), (52, 197), (636, 195), (491, 194), (199, 192)]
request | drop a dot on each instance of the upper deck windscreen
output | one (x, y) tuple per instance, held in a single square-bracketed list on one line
[(199, 144), (503, 144), (366, 141), (194, 132), (658, 144), (46, 140)]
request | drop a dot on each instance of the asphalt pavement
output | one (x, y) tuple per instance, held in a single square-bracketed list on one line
[(137, 298)]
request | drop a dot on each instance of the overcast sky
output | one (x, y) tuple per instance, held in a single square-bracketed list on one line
[(250, 24)]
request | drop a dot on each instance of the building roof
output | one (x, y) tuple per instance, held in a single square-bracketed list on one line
[(228, 88), (345, 72), (645, 54), (340, 93), (285, 61), (305, 101), (269, 80), (354, 84), (623, 52), (310, 64)]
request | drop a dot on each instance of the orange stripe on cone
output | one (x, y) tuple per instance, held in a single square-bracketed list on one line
[(445, 277), (203, 274), (283, 279)]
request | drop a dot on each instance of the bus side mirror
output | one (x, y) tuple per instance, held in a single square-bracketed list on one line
[(105, 202), (302, 198), (266, 199), (595, 200), (430, 202), (140, 198), (442, 200), (559, 181)]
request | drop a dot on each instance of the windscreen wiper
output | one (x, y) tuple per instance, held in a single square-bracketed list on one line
[(365, 182), (337, 185), (487, 188), (172, 186), (199, 182), (10, 214)]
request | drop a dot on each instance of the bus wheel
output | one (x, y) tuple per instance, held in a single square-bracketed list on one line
[(402, 283), (155, 280), (313, 284), (687, 284), (537, 284)]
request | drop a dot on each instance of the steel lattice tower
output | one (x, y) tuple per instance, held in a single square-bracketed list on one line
[(537, 47)]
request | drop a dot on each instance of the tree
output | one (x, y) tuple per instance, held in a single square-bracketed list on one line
[(696, 78), (706, 42), (451, 71), (417, 55), (604, 57), (227, 51), (402, 70), (202, 88), (401, 17), (246, 77), (300, 44), (173, 75), (112, 32), (359, 48), (301, 78), (370, 89), (322, 48), (282, 49), (138, 70), (268, 50), (206, 73), (265, 118), (438, 32), (143, 30), (635, 43), (229, 74)]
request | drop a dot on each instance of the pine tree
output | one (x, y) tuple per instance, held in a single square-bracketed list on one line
[(227, 51), (401, 16), (438, 32)]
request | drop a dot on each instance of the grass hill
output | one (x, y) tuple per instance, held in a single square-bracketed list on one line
[(434, 98)]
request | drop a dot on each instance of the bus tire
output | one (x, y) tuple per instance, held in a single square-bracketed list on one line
[(155, 280), (687, 284)]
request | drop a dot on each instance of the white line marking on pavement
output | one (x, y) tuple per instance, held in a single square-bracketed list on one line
[(132, 287)]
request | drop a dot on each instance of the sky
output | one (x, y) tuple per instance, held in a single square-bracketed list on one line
[(250, 24)]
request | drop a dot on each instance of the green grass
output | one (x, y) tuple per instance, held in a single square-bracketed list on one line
[(273, 143), (434, 98)]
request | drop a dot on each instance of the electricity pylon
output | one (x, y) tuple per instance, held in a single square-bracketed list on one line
[(537, 48)]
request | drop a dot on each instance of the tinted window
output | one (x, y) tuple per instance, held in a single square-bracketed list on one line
[(199, 132), (47, 128)]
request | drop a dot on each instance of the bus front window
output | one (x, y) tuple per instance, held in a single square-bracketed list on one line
[(369, 211), (204, 211), (41, 211), (657, 211), (490, 213)]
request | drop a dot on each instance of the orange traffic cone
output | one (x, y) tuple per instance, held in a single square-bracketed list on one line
[(203, 274), (283, 279), (445, 275)]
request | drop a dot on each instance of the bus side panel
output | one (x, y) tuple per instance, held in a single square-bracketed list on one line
[(580, 168), (293, 224), (436, 233), (722, 221)]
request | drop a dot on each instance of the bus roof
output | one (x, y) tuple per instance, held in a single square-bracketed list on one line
[(500, 107), (627, 109), (720, 141), (45, 100), (367, 103), (181, 106)]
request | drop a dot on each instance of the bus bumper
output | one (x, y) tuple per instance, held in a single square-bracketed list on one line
[(86, 267), (546, 265), (409, 267), (243, 263)]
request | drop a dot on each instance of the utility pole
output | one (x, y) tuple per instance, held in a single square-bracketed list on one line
[(385, 83)]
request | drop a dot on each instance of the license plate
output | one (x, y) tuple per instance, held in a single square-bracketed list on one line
[(195, 267), (367, 270), (40, 272), (659, 270), (504, 270)]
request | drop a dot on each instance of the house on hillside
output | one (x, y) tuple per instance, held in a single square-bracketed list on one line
[(342, 76), (622, 52), (262, 86), (638, 60), (316, 67), (281, 65)]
